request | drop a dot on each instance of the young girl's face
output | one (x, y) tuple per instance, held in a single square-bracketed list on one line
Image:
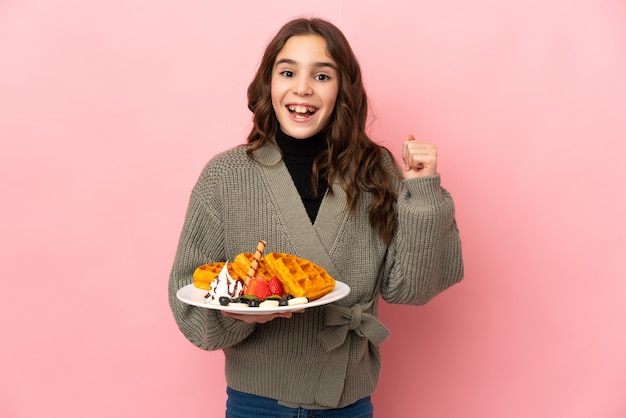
[(305, 83)]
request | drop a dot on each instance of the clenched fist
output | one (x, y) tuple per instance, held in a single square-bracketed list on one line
[(419, 158)]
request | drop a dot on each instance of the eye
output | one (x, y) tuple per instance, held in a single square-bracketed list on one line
[(322, 77), (287, 73)]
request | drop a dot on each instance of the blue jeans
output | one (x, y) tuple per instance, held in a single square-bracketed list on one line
[(244, 405)]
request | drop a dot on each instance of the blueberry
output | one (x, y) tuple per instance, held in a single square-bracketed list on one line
[(224, 300), (254, 303), (283, 302)]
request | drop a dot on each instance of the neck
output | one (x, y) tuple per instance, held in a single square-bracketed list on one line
[(312, 145)]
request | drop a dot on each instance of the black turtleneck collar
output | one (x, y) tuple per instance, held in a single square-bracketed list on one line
[(308, 146), (298, 156)]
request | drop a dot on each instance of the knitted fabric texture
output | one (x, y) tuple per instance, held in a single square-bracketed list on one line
[(238, 200)]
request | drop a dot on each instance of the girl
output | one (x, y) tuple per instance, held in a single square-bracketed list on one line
[(312, 183)]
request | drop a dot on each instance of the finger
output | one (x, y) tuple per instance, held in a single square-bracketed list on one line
[(406, 151), (421, 150)]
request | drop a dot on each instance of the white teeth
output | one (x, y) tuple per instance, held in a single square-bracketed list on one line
[(302, 109)]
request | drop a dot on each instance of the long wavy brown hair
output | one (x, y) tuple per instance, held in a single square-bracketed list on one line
[(352, 158)]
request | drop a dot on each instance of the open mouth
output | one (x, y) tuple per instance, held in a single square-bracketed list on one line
[(300, 111)]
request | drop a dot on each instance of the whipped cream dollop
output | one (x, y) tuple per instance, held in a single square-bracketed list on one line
[(224, 285)]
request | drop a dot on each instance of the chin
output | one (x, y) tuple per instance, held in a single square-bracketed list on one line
[(301, 133)]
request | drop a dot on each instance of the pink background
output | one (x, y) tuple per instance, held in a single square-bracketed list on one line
[(109, 110)]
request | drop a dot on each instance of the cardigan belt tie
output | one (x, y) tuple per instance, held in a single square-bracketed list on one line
[(335, 339)]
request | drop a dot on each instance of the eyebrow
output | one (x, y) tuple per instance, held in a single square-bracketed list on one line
[(316, 65)]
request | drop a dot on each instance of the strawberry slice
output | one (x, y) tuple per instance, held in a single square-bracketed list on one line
[(262, 290), (276, 287), (259, 287), (249, 288)]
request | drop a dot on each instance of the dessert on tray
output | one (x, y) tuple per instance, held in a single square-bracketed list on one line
[(255, 280)]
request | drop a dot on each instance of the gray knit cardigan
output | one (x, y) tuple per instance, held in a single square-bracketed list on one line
[(326, 357)]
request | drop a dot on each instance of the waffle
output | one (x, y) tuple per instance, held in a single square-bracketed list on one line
[(238, 269), (204, 275), (299, 277), (241, 267)]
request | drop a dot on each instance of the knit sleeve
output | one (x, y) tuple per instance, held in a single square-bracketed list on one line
[(425, 256), (201, 241)]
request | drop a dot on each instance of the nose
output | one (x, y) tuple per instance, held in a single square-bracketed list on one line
[(302, 87)]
